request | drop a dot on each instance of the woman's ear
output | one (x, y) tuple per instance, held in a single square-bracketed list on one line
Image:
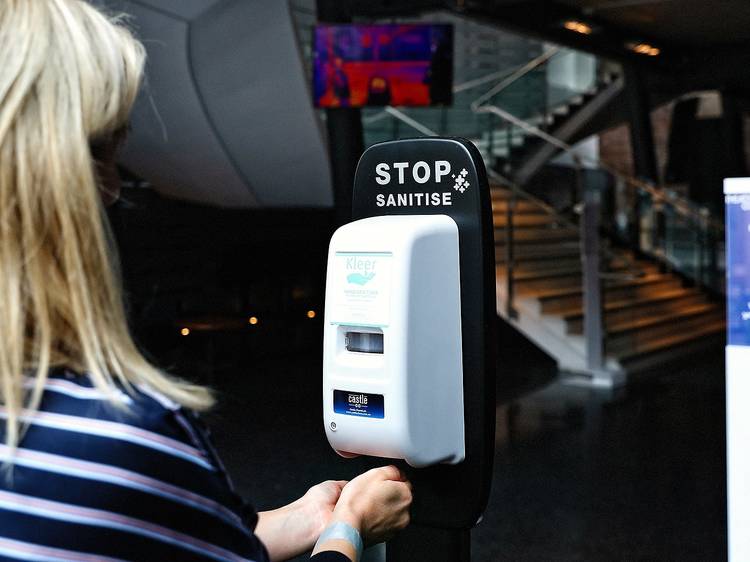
[(104, 152)]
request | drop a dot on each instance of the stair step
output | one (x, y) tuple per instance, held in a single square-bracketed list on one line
[(621, 342), (543, 249), (499, 193), (535, 235), (553, 301), (635, 324), (631, 309), (682, 351), (554, 270), (520, 207), (574, 267), (567, 275), (523, 220), (539, 252), (535, 279), (646, 318), (539, 267), (671, 341), (501, 213), (560, 279)]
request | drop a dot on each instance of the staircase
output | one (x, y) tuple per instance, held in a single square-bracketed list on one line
[(650, 318), (515, 152)]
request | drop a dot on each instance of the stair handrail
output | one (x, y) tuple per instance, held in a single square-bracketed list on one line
[(659, 195), (631, 268), (515, 76), (521, 192)]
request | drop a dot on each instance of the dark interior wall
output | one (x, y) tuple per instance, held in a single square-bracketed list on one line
[(183, 263), (705, 150)]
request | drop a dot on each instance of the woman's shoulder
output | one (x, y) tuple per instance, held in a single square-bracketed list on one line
[(129, 426)]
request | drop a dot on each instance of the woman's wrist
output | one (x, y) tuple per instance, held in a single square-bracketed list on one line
[(288, 531), (342, 537), (348, 516), (312, 521)]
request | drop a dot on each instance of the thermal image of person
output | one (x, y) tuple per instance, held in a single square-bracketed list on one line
[(439, 77), (340, 83), (379, 91)]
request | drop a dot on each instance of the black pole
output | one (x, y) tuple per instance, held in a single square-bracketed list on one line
[(344, 126), (641, 139), (641, 131)]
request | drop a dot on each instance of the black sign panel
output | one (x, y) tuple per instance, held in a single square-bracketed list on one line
[(447, 176)]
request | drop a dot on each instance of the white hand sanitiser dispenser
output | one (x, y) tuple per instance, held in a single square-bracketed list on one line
[(393, 370), (409, 334)]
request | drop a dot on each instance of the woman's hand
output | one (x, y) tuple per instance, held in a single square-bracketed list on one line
[(293, 529), (375, 503)]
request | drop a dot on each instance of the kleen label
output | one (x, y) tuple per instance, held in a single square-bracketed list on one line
[(361, 286)]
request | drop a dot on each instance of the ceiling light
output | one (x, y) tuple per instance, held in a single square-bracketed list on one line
[(578, 27), (643, 48)]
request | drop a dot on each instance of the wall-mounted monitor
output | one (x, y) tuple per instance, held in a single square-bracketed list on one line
[(375, 65)]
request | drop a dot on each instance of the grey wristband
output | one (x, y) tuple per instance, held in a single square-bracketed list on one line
[(338, 530)]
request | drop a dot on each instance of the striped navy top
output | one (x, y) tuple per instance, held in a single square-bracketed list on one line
[(94, 482)]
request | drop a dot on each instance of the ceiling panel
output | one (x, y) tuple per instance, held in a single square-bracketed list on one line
[(688, 23), (183, 9)]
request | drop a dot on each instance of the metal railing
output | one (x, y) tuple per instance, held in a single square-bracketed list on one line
[(666, 211), (682, 205)]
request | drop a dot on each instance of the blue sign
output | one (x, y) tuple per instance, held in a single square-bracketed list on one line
[(738, 267)]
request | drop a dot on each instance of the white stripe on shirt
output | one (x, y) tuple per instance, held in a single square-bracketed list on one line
[(100, 518), (121, 477), (114, 430)]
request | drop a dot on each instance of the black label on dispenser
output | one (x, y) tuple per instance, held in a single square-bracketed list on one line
[(358, 404)]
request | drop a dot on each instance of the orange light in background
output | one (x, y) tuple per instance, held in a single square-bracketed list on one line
[(311, 314), (578, 27), (253, 320), (185, 331), (644, 49)]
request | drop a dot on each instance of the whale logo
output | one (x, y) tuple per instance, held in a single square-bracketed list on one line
[(359, 279)]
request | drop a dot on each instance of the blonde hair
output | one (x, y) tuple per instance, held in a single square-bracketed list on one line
[(69, 75)]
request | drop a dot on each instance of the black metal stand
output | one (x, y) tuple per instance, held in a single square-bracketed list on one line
[(427, 544), (448, 499)]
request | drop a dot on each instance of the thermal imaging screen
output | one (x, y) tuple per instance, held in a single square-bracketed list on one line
[(377, 65)]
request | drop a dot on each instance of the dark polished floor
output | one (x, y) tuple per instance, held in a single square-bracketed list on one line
[(579, 475)]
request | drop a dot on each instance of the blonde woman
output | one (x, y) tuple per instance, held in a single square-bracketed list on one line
[(103, 458)]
